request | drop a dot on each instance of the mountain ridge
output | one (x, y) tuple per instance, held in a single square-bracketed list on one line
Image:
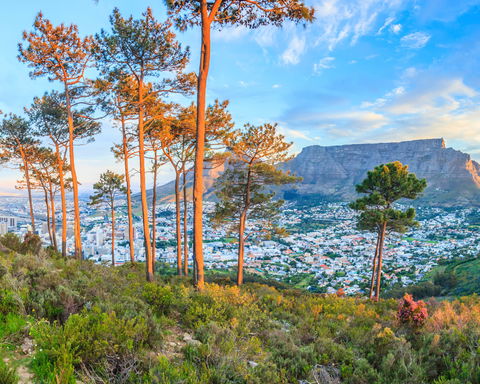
[(331, 172)]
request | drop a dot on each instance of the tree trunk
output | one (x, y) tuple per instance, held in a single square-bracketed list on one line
[(185, 225), (29, 187), (129, 195), (113, 233), (241, 227), (154, 208), (61, 177), (374, 267), (200, 148), (380, 261), (77, 228), (143, 186), (178, 224), (47, 206), (54, 224), (241, 247)]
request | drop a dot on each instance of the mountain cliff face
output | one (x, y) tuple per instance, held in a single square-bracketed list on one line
[(453, 178)]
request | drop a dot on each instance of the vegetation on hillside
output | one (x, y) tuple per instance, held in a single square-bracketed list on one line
[(66, 320)]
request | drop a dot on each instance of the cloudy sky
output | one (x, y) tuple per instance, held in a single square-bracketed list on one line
[(364, 71)]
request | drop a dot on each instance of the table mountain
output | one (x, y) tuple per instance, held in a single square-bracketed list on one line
[(332, 172), (453, 178)]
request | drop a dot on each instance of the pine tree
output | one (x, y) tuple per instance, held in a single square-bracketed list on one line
[(118, 91), (144, 49), (59, 53), (384, 186), (17, 144), (49, 119), (241, 189), (107, 190), (216, 14)]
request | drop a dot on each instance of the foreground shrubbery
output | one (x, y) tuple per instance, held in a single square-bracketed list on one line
[(106, 325)]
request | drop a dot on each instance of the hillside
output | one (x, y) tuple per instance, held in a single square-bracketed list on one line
[(332, 172), (65, 321)]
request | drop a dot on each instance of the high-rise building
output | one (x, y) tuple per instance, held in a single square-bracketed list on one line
[(10, 221)]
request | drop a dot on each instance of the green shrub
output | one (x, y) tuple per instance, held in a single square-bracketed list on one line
[(7, 374), (160, 298), (11, 241), (11, 324), (94, 341)]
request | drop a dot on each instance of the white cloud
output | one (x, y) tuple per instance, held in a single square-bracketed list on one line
[(430, 96), (339, 20), (386, 24), (293, 133), (396, 28), (265, 36), (230, 33), (415, 40), (295, 49), (324, 63)]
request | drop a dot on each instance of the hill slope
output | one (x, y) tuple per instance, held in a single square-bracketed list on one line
[(66, 320)]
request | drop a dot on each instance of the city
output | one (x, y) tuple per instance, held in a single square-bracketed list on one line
[(322, 250)]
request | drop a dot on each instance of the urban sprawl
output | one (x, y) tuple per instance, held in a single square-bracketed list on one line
[(322, 250)]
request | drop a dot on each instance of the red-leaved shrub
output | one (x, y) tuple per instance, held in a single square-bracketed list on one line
[(412, 312)]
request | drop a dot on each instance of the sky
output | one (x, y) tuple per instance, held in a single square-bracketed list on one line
[(363, 71)]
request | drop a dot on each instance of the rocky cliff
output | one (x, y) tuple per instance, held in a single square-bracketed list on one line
[(453, 178), (332, 172)]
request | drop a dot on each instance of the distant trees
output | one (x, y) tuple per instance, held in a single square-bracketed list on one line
[(17, 145), (59, 53), (107, 190), (241, 189), (383, 186), (207, 15), (144, 49)]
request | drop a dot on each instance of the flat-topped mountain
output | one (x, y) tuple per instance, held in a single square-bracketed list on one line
[(453, 178), (332, 172)]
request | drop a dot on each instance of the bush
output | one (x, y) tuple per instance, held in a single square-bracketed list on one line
[(412, 312), (160, 298), (7, 374), (95, 342)]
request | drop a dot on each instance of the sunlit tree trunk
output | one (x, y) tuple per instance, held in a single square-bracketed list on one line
[(185, 225), (47, 207), (241, 247), (113, 232), (178, 225), (374, 267), (29, 187), (131, 238), (143, 186), (154, 209), (54, 224), (380, 261), (200, 148), (77, 228), (61, 177), (241, 229)]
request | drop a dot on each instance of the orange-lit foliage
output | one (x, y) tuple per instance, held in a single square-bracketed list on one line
[(412, 312)]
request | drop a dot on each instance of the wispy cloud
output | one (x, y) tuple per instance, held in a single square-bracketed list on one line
[(349, 20), (415, 40), (295, 49), (324, 63)]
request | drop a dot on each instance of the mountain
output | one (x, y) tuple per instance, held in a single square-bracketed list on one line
[(453, 178), (331, 172)]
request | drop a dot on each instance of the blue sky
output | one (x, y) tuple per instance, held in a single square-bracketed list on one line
[(364, 71)]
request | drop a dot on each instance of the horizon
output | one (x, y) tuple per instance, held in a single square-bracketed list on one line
[(361, 73)]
